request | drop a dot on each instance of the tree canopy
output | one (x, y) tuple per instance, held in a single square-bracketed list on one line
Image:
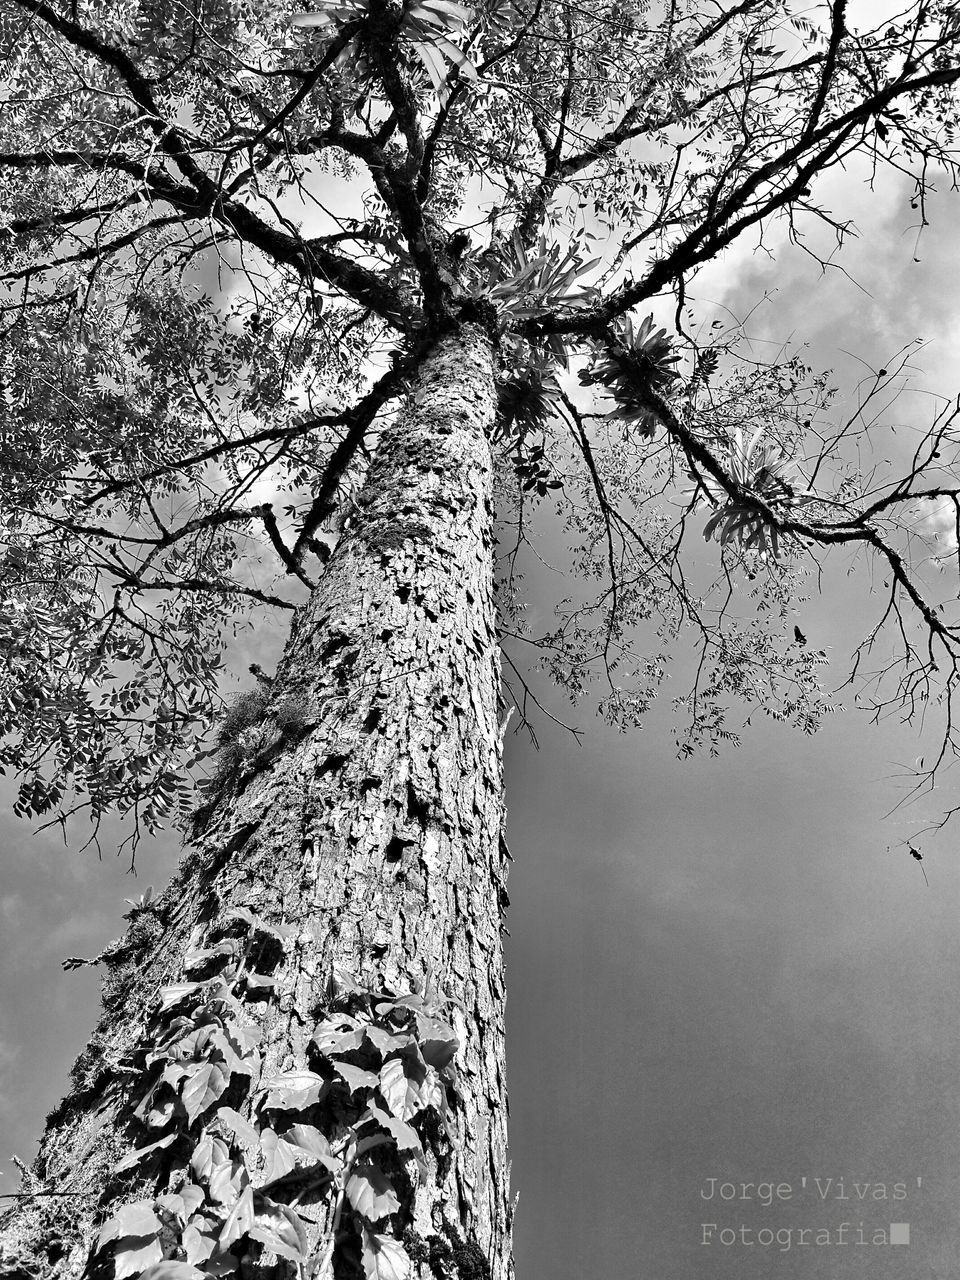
[(230, 232)]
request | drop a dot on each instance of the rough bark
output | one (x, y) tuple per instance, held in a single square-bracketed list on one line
[(358, 814)]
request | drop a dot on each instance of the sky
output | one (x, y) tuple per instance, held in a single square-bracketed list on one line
[(726, 977)]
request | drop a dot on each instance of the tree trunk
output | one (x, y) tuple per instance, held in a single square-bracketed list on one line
[(350, 844)]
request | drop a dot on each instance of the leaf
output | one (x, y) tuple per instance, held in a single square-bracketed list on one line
[(207, 1155), (198, 956), (239, 1220), (183, 1203), (133, 1254), (355, 1077), (400, 1082), (281, 1229), (240, 1128), (403, 1134), (711, 526), (294, 1090), (330, 1037), (224, 1264), (156, 1116), (177, 993), (371, 1193), (343, 982), (136, 1157), (136, 1219), (200, 1239), (383, 1257), (175, 1072), (448, 8), (306, 20), (435, 66), (203, 1088), (308, 1139), (280, 932), (279, 1156), (226, 1179), (437, 1041), (387, 1042), (170, 1270)]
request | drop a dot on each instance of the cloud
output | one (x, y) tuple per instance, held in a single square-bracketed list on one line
[(8, 1055), (11, 905), (936, 521)]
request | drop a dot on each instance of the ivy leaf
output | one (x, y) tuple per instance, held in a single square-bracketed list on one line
[(183, 1203), (203, 1088), (401, 1080), (403, 1134), (156, 1115), (280, 1228), (331, 1037), (240, 1128), (226, 1180), (136, 1219), (309, 1139), (342, 982), (236, 1056), (200, 1239), (174, 1073), (170, 1270), (207, 1155), (355, 1077), (312, 1142), (222, 1264), (134, 1254), (177, 993), (371, 1192), (409, 1001), (137, 1157), (247, 1036), (294, 1090), (239, 1219), (383, 1257), (198, 956), (279, 1156), (437, 1041), (387, 1042), (281, 933)]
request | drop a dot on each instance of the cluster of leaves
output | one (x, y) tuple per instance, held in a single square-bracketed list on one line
[(636, 360), (523, 282), (425, 26), (114, 606), (759, 470), (90, 700), (381, 1063), (533, 469), (782, 683), (528, 399)]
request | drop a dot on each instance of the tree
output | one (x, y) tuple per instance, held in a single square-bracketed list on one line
[(350, 260)]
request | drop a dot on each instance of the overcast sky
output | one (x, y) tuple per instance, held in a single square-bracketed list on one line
[(719, 971)]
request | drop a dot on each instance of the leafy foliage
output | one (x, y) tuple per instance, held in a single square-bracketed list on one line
[(634, 363), (426, 26), (382, 1065), (760, 470)]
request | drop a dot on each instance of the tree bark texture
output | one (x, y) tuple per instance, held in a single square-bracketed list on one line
[(357, 817)]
